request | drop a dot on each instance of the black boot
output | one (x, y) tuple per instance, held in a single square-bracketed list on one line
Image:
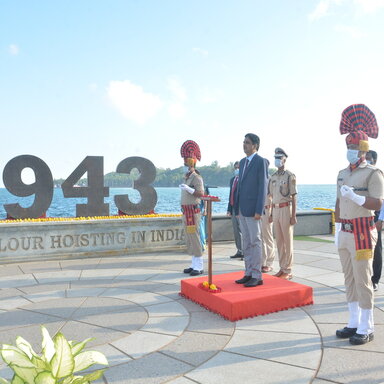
[(345, 332), (358, 339)]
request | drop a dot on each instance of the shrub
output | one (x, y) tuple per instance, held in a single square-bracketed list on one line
[(59, 362)]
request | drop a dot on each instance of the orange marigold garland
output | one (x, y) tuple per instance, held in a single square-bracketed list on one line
[(209, 288)]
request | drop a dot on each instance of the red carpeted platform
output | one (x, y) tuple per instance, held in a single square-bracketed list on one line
[(235, 302)]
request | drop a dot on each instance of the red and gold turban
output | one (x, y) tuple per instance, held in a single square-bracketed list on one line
[(190, 151), (360, 122)]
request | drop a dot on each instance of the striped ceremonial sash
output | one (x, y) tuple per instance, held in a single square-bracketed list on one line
[(189, 214), (362, 227)]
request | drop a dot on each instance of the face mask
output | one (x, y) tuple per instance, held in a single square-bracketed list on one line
[(278, 163), (236, 173), (353, 156), (185, 169)]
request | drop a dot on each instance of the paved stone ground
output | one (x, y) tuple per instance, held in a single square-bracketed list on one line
[(150, 334)]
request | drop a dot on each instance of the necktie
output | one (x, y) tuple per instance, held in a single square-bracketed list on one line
[(245, 166), (234, 185)]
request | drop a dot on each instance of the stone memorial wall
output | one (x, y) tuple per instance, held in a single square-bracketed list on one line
[(49, 240)]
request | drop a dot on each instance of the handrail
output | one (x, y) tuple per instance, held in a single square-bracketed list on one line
[(332, 217)]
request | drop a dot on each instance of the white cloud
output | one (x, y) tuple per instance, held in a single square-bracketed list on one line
[(320, 11), (176, 107), (354, 32), (176, 110), (210, 96), (178, 91), (13, 49), (369, 6), (93, 87), (323, 7), (208, 99), (200, 51), (132, 102)]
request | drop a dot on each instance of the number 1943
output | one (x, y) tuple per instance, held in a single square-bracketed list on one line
[(94, 192)]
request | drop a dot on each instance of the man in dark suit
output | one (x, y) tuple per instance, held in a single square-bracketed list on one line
[(230, 212), (249, 205)]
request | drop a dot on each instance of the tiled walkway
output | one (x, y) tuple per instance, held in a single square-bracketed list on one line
[(150, 334)]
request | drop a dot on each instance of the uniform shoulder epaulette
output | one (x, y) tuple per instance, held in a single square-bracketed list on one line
[(374, 168), (290, 173)]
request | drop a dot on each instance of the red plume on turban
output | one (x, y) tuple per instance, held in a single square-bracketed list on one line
[(360, 122), (190, 149), (359, 117)]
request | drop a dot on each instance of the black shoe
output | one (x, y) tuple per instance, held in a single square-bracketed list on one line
[(243, 280), (188, 270), (253, 282), (375, 286), (358, 339), (345, 332), (237, 256), (196, 272)]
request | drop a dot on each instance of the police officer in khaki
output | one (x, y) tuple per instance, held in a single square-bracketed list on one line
[(360, 189), (268, 244), (282, 188)]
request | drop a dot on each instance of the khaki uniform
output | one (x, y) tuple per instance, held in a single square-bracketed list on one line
[(192, 239), (268, 245), (366, 180), (281, 187)]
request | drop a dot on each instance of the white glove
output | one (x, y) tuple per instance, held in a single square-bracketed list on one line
[(187, 188), (337, 232), (349, 194)]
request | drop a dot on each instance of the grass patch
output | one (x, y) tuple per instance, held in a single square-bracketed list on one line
[(311, 238)]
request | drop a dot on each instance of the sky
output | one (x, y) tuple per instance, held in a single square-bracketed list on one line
[(124, 78)]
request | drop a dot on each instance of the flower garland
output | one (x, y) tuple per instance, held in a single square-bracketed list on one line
[(53, 219), (210, 288), (210, 198)]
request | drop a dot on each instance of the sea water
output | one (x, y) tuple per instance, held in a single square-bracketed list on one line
[(168, 200)]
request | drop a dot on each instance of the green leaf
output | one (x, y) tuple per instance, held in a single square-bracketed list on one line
[(25, 347), (68, 380), (48, 345), (15, 356), (89, 378), (94, 375), (40, 364), (85, 359), (32, 355), (79, 380), (17, 380), (27, 374), (45, 378), (62, 362), (78, 347), (4, 381)]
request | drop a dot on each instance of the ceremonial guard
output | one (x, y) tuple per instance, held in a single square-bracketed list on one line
[(359, 194), (282, 188), (191, 191)]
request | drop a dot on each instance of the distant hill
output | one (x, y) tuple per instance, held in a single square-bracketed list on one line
[(213, 176)]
